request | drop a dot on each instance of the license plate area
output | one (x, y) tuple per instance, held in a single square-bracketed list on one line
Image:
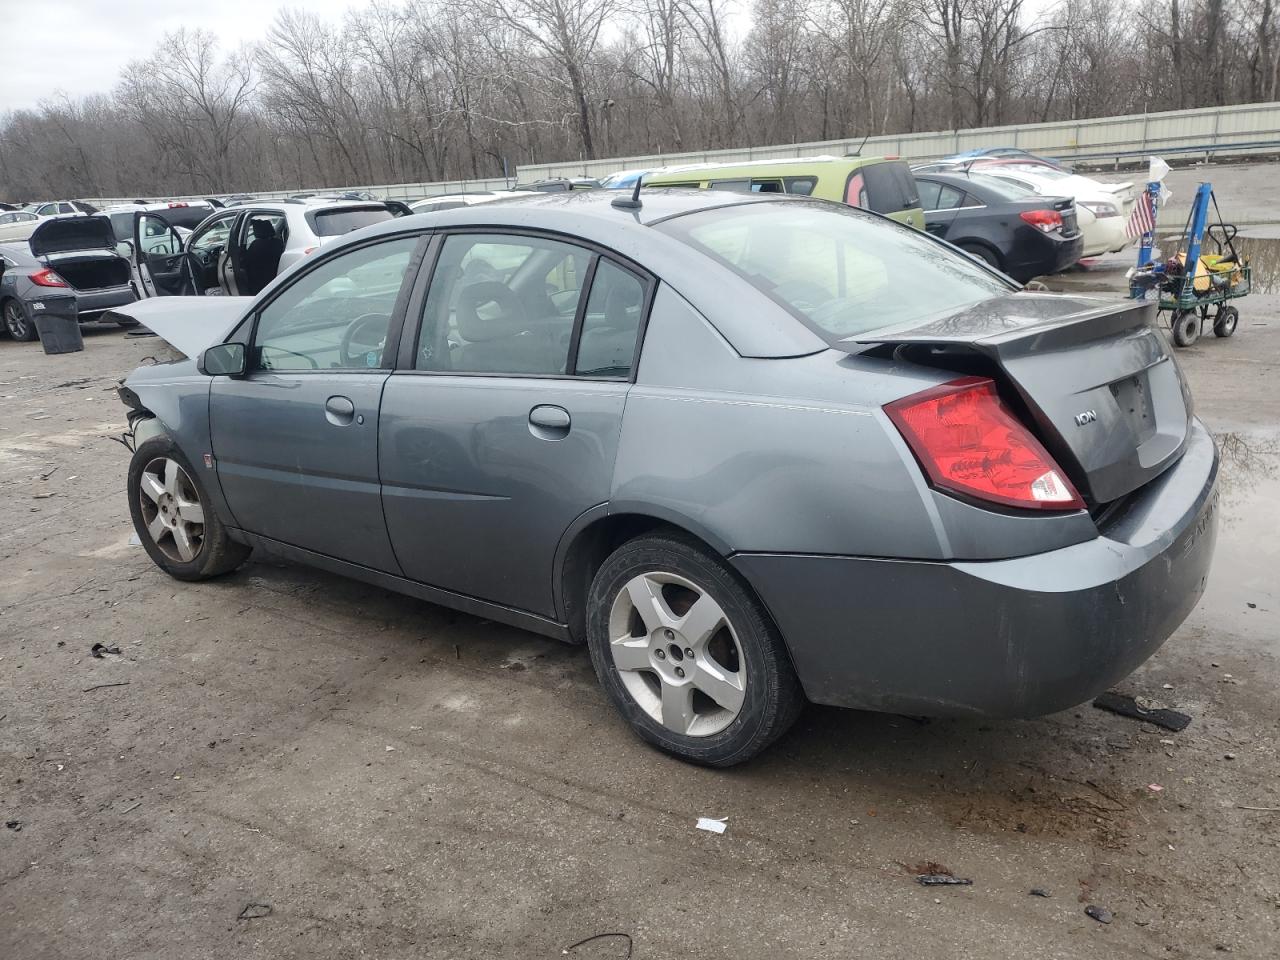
[(1134, 402)]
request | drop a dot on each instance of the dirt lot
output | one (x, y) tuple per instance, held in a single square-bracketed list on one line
[(395, 780)]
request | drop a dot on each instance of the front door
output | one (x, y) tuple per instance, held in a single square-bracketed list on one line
[(506, 427), (295, 440), (159, 258)]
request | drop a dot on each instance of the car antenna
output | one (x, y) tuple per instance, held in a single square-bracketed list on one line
[(858, 152), (632, 202)]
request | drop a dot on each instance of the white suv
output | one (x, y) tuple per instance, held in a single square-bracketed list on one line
[(239, 250)]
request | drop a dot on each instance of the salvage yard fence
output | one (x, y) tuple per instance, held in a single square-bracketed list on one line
[(1251, 129)]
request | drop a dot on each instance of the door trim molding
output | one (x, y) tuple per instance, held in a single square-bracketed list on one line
[(413, 588)]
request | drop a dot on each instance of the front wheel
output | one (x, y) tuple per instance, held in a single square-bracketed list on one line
[(687, 654), (173, 517), (1186, 327)]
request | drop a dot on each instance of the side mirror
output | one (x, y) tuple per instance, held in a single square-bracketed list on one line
[(222, 360), (125, 248)]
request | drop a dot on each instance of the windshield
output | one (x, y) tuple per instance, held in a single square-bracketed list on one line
[(840, 271), (334, 223)]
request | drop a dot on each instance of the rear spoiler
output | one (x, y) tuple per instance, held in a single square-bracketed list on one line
[(1020, 324)]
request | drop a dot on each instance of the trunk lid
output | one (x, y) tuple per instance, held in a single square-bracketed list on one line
[(66, 234), (1098, 381)]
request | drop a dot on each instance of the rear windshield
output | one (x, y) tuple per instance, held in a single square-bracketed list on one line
[(334, 223), (890, 187), (839, 271), (1004, 189)]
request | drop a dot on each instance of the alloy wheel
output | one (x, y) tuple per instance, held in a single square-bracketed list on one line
[(171, 509), (15, 320), (677, 654)]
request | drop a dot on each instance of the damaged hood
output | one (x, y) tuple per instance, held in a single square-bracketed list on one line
[(67, 234), (189, 324)]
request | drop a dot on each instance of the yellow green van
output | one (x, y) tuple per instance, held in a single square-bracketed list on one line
[(882, 184)]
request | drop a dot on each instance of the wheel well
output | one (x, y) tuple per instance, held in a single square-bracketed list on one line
[(974, 242), (590, 547)]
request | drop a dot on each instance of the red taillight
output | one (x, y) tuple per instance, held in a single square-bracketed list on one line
[(1045, 220), (309, 250), (176, 206), (47, 278), (968, 443)]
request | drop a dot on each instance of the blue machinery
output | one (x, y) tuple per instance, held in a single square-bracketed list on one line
[(1193, 286)]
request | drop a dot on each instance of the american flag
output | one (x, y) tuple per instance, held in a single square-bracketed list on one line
[(1142, 219)]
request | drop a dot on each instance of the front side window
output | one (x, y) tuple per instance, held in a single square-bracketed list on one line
[(213, 238), (335, 317), (157, 237), (66, 208), (502, 304), (742, 186), (837, 270)]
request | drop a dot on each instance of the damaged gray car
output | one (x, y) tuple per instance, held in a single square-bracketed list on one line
[(750, 450)]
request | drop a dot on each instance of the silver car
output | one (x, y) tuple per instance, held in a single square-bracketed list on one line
[(239, 250), (750, 449)]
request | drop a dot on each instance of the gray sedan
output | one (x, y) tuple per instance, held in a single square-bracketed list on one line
[(750, 450)]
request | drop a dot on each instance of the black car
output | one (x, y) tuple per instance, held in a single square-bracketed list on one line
[(68, 267), (1017, 231)]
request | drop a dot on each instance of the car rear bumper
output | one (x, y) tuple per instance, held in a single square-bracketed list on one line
[(1040, 254), (1019, 637), (91, 302)]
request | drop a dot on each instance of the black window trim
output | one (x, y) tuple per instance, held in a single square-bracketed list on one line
[(409, 341), (395, 327)]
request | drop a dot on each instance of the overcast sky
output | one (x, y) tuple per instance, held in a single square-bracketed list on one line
[(79, 46)]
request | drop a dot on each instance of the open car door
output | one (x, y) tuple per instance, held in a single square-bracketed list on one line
[(160, 258)]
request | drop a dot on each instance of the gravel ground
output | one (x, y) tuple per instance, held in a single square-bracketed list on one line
[(282, 763)]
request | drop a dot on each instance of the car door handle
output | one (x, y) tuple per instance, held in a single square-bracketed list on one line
[(339, 411), (549, 422)]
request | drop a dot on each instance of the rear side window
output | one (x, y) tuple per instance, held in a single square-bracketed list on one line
[(890, 187), (837, 270), (742, 186), (334, 223), (939, 196), (801, 185)]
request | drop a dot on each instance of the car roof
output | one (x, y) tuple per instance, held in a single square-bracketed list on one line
[(750, 321), (19, 253)]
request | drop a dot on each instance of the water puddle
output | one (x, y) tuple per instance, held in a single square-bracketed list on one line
[(1244, 591)]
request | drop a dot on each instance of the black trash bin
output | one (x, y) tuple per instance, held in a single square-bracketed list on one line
[(58, 324)]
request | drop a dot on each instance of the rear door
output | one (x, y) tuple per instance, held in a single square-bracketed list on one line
[(941, 203), (296, 438), (501, 427), (159, 258)]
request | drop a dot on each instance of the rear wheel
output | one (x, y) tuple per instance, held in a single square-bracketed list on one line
[(16, 322), (985, 254), (686, 653), (173, 517), (1186, 327), (1224, 323)]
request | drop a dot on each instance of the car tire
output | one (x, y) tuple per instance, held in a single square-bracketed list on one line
[(985, 254), (173, 517), (1186, 327), (1224, 323), (16, 323), (127, 324), (689, 602)]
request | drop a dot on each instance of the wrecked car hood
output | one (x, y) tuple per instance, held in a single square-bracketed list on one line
[(189, 324)]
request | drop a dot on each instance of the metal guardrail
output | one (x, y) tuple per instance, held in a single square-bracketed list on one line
[(1237, 131)]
